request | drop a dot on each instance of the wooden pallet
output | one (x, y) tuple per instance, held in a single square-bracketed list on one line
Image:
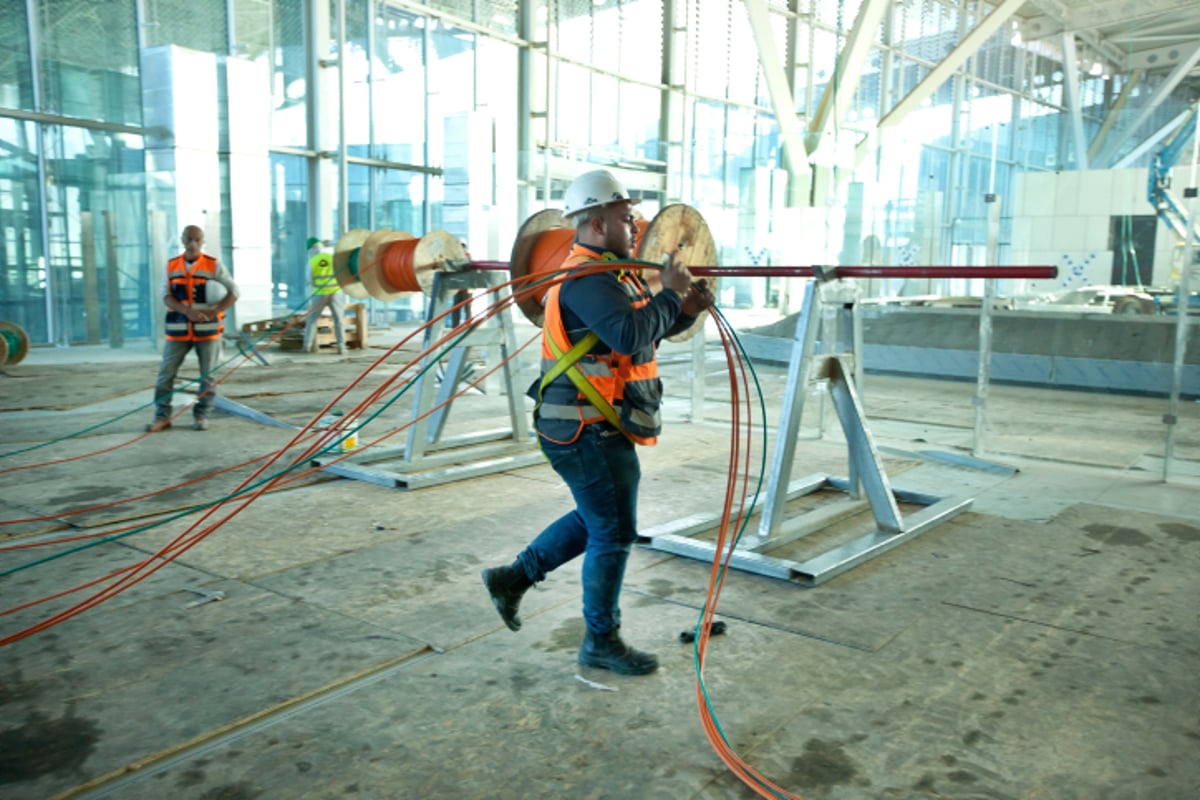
[(354, 324)]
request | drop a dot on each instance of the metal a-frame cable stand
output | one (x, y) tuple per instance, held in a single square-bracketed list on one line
[(427, 459), (866, 474)]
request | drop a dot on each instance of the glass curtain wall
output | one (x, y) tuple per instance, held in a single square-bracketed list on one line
[(23, 290), (72, 183), (96, 222), (431, 128), (425, 98), (289, 232)]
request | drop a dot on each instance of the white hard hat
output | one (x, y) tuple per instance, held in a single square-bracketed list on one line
[(214, 292), (591, 189)]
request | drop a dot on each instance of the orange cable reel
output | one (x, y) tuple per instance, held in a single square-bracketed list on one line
[(541, 245), (395, 263), (545, 239)]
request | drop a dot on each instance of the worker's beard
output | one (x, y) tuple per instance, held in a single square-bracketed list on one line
[(618, 241)]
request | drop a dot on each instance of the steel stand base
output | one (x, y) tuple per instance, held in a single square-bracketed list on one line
[(429, 459), (866, 468), (752, 554)]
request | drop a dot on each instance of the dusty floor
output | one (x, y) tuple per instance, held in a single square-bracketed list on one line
[(1041, 645)]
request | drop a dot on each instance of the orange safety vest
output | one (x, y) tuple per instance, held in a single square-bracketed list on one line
[(624, 387), (190, 287)]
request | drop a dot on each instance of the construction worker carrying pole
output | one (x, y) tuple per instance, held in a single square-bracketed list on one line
[(599, 395)]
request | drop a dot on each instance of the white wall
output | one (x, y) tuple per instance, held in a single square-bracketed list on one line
[(248, 105), (1063, 218)]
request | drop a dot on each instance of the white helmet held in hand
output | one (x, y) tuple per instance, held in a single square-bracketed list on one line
[(591, 189)]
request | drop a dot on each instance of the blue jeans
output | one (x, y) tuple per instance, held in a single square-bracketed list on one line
[(173, 354), (602, 470)]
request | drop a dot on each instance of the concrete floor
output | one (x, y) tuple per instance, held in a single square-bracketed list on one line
[(1041, 645)]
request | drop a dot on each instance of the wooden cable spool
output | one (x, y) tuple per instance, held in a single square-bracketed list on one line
[(436, 251), (387, 264), (14, 343), (370, 262), (680, 229), (544, 237), (345, 262), (541, 247)]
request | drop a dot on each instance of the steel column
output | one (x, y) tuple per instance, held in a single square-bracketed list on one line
[(1183, 306)]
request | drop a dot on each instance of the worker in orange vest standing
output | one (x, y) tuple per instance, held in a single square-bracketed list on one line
[(197, 291), (599, 395), (326, 293)]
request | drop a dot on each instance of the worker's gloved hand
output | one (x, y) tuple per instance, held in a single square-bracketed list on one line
[(675, 275), (698, 298)]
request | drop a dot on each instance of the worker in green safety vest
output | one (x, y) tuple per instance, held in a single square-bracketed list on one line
[(326, 294)]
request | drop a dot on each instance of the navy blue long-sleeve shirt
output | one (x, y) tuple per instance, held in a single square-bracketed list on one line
[(599, 304)]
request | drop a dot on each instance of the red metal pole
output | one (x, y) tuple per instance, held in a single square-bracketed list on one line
[(849, 271), (881, 272)]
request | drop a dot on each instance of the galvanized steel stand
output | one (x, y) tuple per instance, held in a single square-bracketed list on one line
[(836, 302), (427, 459)]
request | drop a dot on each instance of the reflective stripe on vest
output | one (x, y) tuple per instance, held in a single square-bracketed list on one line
[(628, 383), (190, 287), (323, 279)]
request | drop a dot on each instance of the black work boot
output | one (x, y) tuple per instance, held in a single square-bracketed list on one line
[(506, 585), (607, 651)]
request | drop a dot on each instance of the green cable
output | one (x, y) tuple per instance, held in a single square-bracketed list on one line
[(738, 537), (1137, 270)]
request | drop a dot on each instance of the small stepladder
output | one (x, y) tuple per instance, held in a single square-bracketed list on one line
[(428, 459), (838, 362)]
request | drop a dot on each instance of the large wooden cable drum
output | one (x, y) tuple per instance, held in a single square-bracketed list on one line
[(542, 245), (680, 229)]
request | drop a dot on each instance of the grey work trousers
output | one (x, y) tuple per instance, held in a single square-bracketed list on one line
[(173, 355), (336, 303)]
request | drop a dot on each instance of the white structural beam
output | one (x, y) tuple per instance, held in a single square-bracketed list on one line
[(839, 92), (1071, 83), (1106, 14), (1160, 94), (955, 59), (791, 133), (1055, 22), (526, 112), (1152, 140), (1157, 58)]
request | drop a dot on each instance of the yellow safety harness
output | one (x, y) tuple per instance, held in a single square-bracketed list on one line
[(566, 365)]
